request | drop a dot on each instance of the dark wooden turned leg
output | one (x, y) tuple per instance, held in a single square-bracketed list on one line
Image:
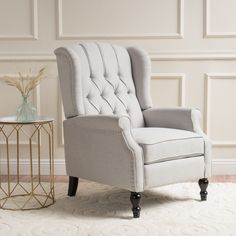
[(73, 184), (203, 183), (135, 200)]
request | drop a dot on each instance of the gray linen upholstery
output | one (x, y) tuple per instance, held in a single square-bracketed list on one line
[(101, 148), (180, 118), (175, 171), (156, 143), (112, 134), (97, 79), (175, 118), (141, 66)]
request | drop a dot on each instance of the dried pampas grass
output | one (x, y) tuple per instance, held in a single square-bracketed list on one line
[(26, 83)]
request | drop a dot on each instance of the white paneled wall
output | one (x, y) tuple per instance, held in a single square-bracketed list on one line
[(192, 44)]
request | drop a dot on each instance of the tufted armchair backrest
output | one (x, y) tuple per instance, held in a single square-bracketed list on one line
[(103, 79)]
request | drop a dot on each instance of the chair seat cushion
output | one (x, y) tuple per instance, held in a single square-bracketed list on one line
[(163, 144)]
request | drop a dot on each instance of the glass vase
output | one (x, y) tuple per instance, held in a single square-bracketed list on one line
[(26, 112)]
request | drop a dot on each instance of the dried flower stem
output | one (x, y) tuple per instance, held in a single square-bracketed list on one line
[(25, 84)]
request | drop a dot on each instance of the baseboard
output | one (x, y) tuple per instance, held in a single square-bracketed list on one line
[(24, 167), (224, 167), (219, 167)]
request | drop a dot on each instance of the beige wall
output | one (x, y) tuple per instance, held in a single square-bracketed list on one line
[(192, 44)]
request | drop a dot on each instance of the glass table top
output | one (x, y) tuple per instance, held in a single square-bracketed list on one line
[(13, 120)]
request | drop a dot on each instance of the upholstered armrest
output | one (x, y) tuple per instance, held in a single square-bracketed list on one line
[(105, 150), (180, 118), (104, 123), (176, 118)]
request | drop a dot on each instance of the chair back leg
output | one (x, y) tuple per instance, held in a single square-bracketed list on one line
[(73, 184)]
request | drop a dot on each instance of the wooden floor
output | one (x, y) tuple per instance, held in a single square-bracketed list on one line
[(223, 178), (214, 179)]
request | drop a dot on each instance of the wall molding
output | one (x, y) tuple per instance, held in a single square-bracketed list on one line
[(154, 55), (173, 76), (192, 55), (59, 167), (207, 30), (178, 35), (13, 57), (222, 166), (34, 26), (208, 78)]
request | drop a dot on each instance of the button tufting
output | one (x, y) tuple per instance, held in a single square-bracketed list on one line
[(102, 94)]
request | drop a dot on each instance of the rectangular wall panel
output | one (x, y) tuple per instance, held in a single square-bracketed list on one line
[(120, 19), (220, 109), (168, 90), (18, 19), (220, 18)]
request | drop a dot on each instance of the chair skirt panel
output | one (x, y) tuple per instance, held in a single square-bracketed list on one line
[(174, 171)]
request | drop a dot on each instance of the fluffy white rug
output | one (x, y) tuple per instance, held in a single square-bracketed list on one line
[(99, 210)]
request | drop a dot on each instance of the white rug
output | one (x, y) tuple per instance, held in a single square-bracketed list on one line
[(99, 210)]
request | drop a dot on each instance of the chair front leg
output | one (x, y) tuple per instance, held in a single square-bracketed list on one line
[(73, 184), (135, 200), (203, 183)]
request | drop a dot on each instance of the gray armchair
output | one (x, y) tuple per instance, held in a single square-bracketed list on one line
[(112, 133)]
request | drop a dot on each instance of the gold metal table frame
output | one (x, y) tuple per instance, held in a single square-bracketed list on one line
[(34, 191)]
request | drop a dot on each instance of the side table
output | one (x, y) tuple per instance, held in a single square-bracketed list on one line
[(22, 185)]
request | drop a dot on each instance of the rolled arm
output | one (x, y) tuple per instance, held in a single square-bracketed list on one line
[(176, 118), (100, 123), (180, 118), (101, 148)]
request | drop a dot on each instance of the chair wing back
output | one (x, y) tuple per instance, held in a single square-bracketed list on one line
[(103, 79)]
